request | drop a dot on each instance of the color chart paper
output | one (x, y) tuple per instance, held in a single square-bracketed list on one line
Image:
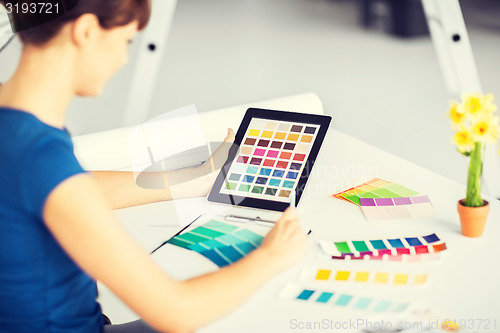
[(341, 299), (380, 277), (397, 208), (380, 248), (270, 160), (382, 200), (220, 242), (375, 188)]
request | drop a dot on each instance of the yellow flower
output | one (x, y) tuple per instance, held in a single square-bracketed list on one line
[(463, 140), (485, 130), (456, 114), (478, 106)]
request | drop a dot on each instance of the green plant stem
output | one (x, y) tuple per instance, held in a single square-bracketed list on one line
[(473, 198)]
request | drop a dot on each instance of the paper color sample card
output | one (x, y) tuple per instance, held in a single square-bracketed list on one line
[(221, 242), (378, 277), (375, 188), (380, 248), (340, 299), (270, 160), (397, 208), (382, 200)]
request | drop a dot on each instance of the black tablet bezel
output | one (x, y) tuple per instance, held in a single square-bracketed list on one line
[(322, 120)]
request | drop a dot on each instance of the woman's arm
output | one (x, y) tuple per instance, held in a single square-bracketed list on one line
[(79, 217), (122, 190)]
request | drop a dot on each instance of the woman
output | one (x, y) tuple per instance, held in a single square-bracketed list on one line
[(57, 228)]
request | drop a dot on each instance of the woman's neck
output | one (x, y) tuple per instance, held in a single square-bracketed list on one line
[(42, 84)]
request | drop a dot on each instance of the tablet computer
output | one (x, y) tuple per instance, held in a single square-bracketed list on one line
[(271, 159)]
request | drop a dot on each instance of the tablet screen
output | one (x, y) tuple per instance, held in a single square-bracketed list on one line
[(273, 155)]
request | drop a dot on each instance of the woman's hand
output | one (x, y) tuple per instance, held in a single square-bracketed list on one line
[(286, 243)]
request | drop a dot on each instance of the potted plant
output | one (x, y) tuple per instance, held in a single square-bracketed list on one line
[(475, 126)]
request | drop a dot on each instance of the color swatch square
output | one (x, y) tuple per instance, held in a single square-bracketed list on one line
[(323, 274), (267, 134), (299, 157), (257, 189), (248, 179), (360, 246), (252, 170), (310, 130), (253, 132), (382, 306), (269, 163), (342, 275), (263, 143), (305, 294), (282, 164), (361, 276), (381, 278), (274, 182), (272, 153), (261, 180), (324, 297), (280, 136), (306, 138), (259, 152), (256, 161), (278, 173), (420, 279), (400, 279), (271, 191), (343, 300), (276, 144), (363, 303), (250, 141)]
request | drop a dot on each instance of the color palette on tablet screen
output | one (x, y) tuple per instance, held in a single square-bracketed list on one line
[(378, 277), (219, 242), (312, 295), (271, 159), (380, 248)]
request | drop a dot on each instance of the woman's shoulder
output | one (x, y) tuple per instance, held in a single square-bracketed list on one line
[(20, 127)]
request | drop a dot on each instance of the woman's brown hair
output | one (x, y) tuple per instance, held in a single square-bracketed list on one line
[(111, 14)]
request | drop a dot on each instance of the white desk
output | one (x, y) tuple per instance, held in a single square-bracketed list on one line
[(463, 283)]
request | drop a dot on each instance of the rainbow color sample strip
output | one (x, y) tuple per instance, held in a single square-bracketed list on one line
[(312, 295), (380, 248), (380, 277), (271, 159), (375, 188), (220, 242), (397, 208)]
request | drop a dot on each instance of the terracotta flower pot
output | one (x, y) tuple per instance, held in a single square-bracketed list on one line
[(473, 219)]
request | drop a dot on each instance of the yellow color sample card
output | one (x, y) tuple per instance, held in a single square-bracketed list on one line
[(323, 274), (342, 276), (361, 276)]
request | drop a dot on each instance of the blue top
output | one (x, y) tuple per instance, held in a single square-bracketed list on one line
[(41, 288)]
